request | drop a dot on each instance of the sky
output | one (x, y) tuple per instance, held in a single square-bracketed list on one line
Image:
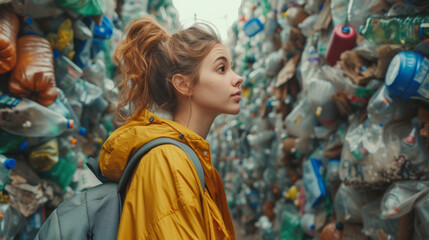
[(220, 13)]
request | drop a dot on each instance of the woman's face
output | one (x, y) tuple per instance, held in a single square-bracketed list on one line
[(218, 90)]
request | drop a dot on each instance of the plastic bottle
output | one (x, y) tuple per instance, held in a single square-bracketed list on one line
[(307, 224), (6, 164), (332, 231), (31, 27), (66, 72), (343, 38), (24, 117), (301, 121), (396, 30), (333, 170), (408, 75), (62, 172)]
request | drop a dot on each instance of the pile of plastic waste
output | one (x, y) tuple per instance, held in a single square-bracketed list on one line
[(57, 98), (332, 139)]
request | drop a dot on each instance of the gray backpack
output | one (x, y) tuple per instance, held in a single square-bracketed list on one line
[(95, 213)]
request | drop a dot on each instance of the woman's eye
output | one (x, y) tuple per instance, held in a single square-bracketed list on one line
[(221, 69)]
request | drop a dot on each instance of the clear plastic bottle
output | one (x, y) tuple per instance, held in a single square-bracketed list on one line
[(6, 165), (396, 30), (24, 117)]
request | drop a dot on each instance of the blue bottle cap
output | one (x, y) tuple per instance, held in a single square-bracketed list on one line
[(28, 20), (82, 131), (56, 53), (400, 73), (345, 29), (9, 163), (23, 146), (363, 68)]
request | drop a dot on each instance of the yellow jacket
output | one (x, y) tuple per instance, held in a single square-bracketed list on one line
[(163, 199)]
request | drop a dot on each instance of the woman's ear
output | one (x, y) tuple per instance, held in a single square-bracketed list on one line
[(182, 84)]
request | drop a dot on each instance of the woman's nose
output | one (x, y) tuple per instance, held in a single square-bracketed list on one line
[(238, 80)]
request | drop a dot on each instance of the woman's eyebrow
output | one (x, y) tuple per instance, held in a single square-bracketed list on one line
[(223, 58)]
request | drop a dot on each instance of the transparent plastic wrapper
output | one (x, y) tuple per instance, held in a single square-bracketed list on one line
[(400, 197), (95, 72), (319, 94), (33, 76), (421, 218), (36, 8), (339, 12), (358, 11), (384, 108), (66, 73), (348, 203), (402, 8), (24, 117), (80, 30), (374, 156), (372, 221), (306, 26), (274, 62), (301, 121), (11, 223), (9, 26), (309, 63), (84, 92)]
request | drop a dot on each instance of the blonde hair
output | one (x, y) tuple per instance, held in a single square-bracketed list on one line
[(149, 57)]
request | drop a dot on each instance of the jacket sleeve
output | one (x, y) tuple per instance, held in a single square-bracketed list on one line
[(163, 198)]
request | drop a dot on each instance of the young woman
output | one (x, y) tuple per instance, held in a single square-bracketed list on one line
[(187, 74)]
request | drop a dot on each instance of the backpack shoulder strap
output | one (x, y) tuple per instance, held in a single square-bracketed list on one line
[(132, 163)]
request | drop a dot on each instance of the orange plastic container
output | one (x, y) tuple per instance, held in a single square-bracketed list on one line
[(33, 76), (9, 26)]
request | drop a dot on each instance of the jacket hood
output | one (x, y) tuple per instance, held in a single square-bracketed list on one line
[(124, 142)]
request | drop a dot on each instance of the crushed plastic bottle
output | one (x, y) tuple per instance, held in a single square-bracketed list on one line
[(6, 165), (24, 117)]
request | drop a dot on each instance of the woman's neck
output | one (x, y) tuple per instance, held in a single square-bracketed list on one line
[(198, 121)]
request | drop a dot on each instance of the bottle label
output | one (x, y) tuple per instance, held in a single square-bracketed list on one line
[(8, 101)]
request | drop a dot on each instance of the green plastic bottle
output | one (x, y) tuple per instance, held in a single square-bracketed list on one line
[(403, 30)]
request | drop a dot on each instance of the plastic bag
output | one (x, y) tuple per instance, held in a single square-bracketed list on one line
[(33, 76), (9, 26), (384, 108), (400, 197), (349, 201), (421, 218), (372, 156), (83, 7), (11, 223), (372, 221)]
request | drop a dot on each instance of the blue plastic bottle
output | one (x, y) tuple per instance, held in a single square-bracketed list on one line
[(408, 75)]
